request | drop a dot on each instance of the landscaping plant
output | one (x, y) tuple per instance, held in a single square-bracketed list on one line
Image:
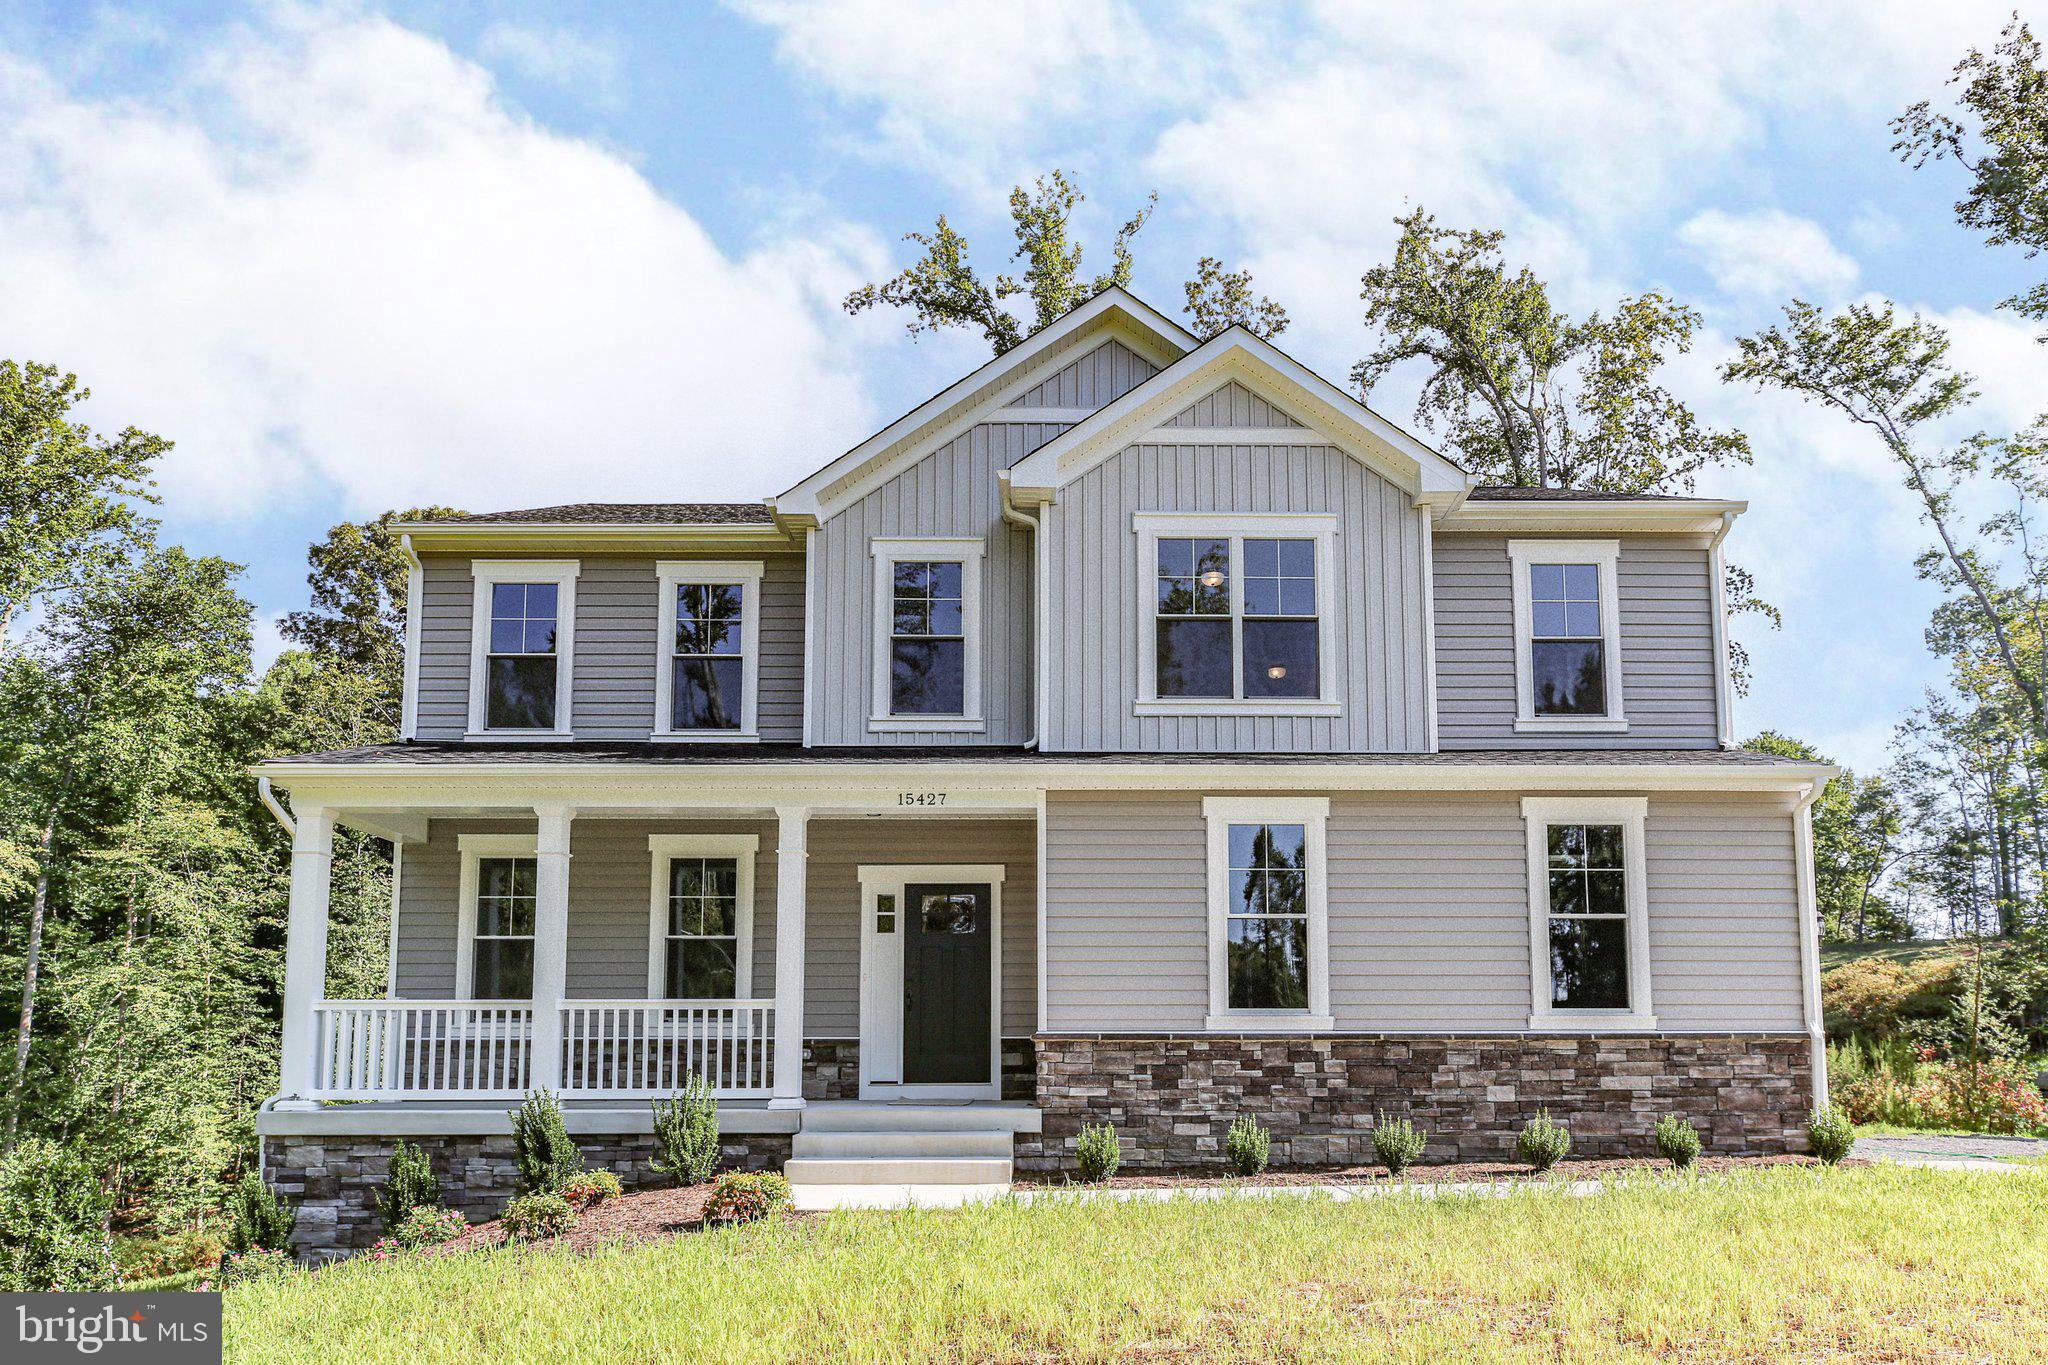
[(1830, 1134), (426, 1227), (537, 1214), (1095, 1152), (541, 1146), (257, 1263), (409, 1185), (1247, 1145), (746, 1197), (588, 1189), (53, 1223), (1543, 1143), (686, 1134), (1678, 1142), (1397, 1143), (257, 1219)]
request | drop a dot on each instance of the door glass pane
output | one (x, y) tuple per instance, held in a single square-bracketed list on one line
[(948, 914)]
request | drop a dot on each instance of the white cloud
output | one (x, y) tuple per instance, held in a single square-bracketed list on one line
[(1767, 254), (355, 264), (558, 56)]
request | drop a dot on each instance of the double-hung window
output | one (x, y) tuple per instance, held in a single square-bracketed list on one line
[(1236, 614), (1567, 657), (1588, 911), (928, 655), (1268, 913), (701, 919), (498, 897), (522, 647), (707, 668)]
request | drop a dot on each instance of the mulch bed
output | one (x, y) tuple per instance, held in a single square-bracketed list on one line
[(638, 1216), (1494, 1172)]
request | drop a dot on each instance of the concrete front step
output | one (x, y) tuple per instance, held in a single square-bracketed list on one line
[(847, 1116), (929, 1170), (861, 1142)]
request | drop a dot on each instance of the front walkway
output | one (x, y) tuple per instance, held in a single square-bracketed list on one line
[(1979, 1152)]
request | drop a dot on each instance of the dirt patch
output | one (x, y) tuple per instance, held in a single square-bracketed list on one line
[(641, 1216), (1495, 1172)]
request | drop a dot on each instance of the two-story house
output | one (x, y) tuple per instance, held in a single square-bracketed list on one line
[(1140, 731)]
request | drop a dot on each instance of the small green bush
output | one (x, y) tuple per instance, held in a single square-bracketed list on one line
[(257, 1263), (1830, 1134), (746, 1197), (257, 1219), (588, 1189), (409, 1185), (541, 1147), (1397, 1143), (537, 1215), (426, 1227), (1543, 1143), (144, 1259), (686, 1134), (1248, 1145), (183, 1282), (53, 1223), (1678, 1142), (1095, 1152)]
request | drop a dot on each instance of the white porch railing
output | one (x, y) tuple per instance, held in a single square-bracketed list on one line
[(650, 1047), (421, 1049)]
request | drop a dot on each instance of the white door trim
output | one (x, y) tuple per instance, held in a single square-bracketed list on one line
[(881, 980)]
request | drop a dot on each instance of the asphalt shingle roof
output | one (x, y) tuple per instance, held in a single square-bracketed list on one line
[(1500, 492), (627, 514)]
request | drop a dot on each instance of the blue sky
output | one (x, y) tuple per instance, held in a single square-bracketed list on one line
[(355, 256)]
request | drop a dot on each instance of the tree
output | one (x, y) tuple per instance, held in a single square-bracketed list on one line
[(1859, 840), (2005, 95), (1220, 299), (67, 496)]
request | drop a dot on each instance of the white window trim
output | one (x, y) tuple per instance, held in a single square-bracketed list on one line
[(1606, 555), (474, 847), (968, 553), (487, 573), (1630, 812), (1152, 527), (672, 574), (743, 849), (1313, 813)]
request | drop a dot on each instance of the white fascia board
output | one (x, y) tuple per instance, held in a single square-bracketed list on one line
[(553, 538), (1695, 516), (1166, 339)]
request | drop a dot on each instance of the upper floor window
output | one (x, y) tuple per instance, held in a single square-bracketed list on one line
[(521, 647), (928, 656), (1567, 658), (1234, 617), (498, 898), (708, 666), (701, 923), (1268, 912), (1589, 925)]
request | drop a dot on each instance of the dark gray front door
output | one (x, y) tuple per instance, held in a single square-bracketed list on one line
[(946, 950)]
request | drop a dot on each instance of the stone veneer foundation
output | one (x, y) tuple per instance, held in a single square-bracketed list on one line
[(1173, 1097)]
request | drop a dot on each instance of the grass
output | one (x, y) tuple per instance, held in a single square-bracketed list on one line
[(1901, 951), (1882, 1262)]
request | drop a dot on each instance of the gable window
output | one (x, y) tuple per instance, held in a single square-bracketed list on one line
[(499, 895), (707, 668), (1234, 615), (1567, 659), (928, 658), (522, 635), (1268, 913), (701, 917), (1589, 949)]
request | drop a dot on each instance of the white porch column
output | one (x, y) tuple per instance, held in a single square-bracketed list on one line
[(550, 941), (792, 869), (305, 951)]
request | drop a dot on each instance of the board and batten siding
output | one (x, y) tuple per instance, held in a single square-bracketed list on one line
[(618, 618), (1429, 913), (1668, 659), (1094, 625), (611, 884), (1102, 376)]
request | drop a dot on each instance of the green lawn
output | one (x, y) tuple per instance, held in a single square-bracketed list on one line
[(1795, 1262), (1902, 952)]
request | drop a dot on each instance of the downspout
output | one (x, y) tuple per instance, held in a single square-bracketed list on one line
[(277, 809), (415, 588), (1030, 523), (1724, 680), (1809, 938)]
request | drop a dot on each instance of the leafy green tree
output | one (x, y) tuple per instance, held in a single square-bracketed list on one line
[(2004, 147), (357, 612), (1220, 299), (1860, 837)]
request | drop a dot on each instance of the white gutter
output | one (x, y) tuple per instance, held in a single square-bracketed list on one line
[(1724, 679), (1038, 663), (415, 588), (1809, 938), (284, 816)]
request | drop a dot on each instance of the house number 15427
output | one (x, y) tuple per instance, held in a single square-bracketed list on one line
[(920, 798)]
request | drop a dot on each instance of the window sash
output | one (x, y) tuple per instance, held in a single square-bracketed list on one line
[(684, 664), (929, 602), (1610, 864), (1241, 567)]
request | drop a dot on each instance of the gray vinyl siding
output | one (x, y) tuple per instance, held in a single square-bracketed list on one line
[(1102, 376), (953, 492), (1094, 622), (610, 886), (618, 617), (1429, 913), (1232, 405), (1668, 659)]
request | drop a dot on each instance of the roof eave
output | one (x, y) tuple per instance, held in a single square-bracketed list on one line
[(1694, 516), (609, 537)]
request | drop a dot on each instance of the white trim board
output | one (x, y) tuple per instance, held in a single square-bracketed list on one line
[(886, 554), (881, 978), (472, 847), (743, 849), (1313, 814), (486, 574), (1605, 557), (672, 574), (1629, 812)]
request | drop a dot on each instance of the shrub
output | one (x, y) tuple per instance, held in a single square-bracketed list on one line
[(53, 1223), (1678, 1142), (1875, 995), (1247, 1145), (538, 1214), (174, 1254), (1830, 1134), (409, 1185), (1095, 1152), (588, 1189), (257, 1219), (541, 1146), (1543, 1143), (426, 1227), (257, 1263), (1397, 1143), (746, 1197), (686, 1134)]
